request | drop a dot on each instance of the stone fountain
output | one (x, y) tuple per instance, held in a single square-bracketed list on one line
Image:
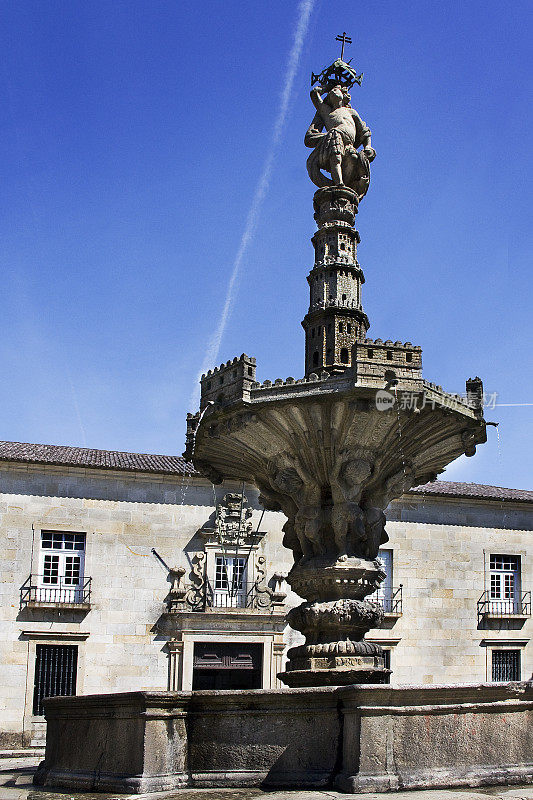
[(330, 450)]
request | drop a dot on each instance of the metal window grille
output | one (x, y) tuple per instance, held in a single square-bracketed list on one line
[(506, 665), (55, 673)]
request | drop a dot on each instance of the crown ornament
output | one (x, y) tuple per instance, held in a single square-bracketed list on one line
[(340, 73)]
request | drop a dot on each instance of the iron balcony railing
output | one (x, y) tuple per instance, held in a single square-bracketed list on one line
[(518, 606), (389, 598), (37, 591), (243, 595)]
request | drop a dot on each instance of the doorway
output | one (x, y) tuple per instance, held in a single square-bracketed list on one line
[(221, 665)]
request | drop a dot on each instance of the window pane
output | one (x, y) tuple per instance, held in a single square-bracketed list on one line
[(51, 569), (508, 587), (72, 570), (221, 575), (505, 563), (238, 572)]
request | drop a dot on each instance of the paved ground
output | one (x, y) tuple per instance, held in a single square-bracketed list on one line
[(16, 784)]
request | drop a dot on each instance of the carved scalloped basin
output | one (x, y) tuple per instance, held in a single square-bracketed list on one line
[(314, 431)]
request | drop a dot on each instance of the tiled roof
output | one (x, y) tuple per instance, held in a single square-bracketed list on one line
[(176, 465), (97, 459), (474, 490)]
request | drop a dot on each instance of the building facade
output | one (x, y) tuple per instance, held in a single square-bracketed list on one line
[(126, 571)]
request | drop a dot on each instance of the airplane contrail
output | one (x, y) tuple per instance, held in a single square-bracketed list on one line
[(305, 10)]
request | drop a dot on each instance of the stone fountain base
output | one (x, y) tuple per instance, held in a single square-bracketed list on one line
[(356, 738)]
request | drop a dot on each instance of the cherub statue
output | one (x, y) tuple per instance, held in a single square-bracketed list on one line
[(336, 150), (295, 488), (348, 476)]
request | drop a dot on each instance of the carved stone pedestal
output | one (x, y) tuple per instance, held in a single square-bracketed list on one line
[(334, 621)]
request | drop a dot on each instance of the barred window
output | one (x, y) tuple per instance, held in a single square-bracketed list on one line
[(55, 673), (506, 665)]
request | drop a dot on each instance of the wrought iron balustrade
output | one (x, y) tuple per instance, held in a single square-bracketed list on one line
[(389, 598), (244, 595), (37, 591), (518, 606)]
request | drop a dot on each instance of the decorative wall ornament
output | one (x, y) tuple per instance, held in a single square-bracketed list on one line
[(233, 523)]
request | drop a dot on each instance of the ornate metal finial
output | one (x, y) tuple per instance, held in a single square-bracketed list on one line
[(345, 40), (337, 74), (340, 73)]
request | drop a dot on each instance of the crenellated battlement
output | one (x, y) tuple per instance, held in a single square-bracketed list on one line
[(229, 382), (386, 361)]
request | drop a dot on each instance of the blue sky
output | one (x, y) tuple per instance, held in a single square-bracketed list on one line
[(133, 137)]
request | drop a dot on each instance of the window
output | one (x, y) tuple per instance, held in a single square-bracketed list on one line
[(504, 589), (370, 353), (250, 371), (348, 327), (55, 673), (408, 357), (344, 298), (230, 582), (506, 665), (389, 355), (60, 578), (384, 594), (386, 664), (345, 356), (315, 358), (341, 327)]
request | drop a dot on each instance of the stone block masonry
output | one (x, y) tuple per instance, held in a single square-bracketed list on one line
[(357, 738)]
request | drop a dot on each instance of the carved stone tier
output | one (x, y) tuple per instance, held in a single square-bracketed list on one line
[(324, 453)]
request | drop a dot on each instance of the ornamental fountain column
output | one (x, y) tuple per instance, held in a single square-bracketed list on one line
[(332, 449)]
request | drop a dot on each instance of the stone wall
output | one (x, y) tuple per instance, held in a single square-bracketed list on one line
[(441, 551), (124, 516)]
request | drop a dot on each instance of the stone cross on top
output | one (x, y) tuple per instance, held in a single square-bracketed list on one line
[(345, 39)]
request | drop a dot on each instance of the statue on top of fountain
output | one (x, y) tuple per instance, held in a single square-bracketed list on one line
[(337, 131)]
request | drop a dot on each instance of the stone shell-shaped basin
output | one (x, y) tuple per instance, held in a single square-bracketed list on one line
[(316, 431)]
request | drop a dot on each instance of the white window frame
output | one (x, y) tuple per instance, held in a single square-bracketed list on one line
[(384, 594), (61, 566), (230, 581), (504, 583)]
